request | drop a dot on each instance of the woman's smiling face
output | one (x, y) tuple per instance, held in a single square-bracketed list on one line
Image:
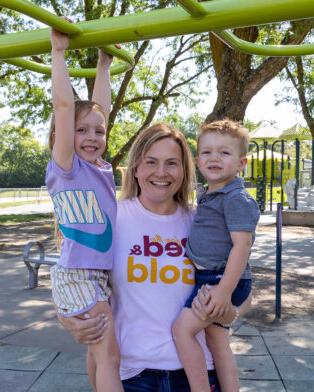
[(160, 175)]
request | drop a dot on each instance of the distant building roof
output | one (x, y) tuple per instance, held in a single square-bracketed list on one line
[(296, 132), (265, 131), (269, 132)]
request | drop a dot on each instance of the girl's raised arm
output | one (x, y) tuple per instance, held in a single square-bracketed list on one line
[(63, 103), (102, 86)]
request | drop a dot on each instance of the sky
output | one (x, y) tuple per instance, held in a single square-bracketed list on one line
[(262, 107)]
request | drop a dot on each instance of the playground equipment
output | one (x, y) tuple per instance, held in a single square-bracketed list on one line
[(275, 168), (188, 18)]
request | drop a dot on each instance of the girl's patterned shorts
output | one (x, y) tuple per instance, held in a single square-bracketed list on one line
[(77, 290)]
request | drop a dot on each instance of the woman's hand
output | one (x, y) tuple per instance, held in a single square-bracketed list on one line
[(85, 330), (220, 302), (202, 308), (200, 304)]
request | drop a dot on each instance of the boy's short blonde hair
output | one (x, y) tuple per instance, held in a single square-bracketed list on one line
[(143, 142), (230, 128)]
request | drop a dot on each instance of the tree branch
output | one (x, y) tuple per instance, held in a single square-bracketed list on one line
[(273, 65), (126, 80), (189, 79), (301, 93), (146, 98)]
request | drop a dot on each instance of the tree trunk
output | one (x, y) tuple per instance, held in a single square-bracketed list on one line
[(237, 81)]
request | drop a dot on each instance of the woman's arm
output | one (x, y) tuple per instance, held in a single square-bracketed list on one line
[(62, 102), (85, 330)]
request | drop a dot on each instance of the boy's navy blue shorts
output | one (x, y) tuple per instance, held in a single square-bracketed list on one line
[(240, 294)]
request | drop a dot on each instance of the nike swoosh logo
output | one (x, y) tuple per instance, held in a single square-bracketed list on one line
[(100, 242)]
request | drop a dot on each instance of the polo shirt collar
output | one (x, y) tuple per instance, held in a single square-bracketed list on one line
[(238, 182)]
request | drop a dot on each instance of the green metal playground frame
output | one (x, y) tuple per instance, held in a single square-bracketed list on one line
[(188, 18)]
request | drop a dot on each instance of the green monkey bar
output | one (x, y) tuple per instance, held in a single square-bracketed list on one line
[(188, 18)]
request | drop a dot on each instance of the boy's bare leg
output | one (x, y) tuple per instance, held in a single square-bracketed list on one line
[(105, 355), (217, 339), (185, 328)]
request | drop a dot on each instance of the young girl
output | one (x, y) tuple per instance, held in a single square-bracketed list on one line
[(82, 190)]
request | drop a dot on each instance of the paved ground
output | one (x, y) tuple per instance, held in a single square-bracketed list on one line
[(36, 355)]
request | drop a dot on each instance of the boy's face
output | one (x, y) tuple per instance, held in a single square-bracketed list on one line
[(90, 135), (219, 159)]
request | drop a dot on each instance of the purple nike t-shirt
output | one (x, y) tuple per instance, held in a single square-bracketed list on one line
[(85, 208)]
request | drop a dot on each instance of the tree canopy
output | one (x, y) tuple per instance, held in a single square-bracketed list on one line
[(165, 73), (23, 159)]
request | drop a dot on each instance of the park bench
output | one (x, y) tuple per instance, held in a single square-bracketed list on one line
[(34, 261)]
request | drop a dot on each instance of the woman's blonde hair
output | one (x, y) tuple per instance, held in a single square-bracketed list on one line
[(79, 107), (144, 141)]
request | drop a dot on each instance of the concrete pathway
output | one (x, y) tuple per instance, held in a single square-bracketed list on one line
[(37, 355)]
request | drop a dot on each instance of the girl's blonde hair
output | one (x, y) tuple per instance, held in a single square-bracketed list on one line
[(79, 107), (144, 141)]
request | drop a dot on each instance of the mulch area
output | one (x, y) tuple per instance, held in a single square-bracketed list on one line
[(297, 290), (297, 293), (14, 236)]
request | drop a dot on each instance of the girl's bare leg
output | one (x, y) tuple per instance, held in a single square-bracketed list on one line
[(105, 355), (91, 369)]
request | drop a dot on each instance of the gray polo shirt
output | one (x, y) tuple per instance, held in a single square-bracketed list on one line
[(218, 213)]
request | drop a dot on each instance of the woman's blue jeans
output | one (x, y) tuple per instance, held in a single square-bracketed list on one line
[(151, 380)]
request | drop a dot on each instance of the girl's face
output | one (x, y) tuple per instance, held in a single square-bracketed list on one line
[(90, 135), (160, 176)]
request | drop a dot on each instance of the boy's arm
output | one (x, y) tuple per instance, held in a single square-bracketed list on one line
[(63, 102), (237, 261), (102, 86)]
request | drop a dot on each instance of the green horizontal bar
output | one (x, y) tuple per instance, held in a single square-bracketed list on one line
[(122, 54), (221, 15), (193, 7), (27, 8), (80, 73), (263, 50)]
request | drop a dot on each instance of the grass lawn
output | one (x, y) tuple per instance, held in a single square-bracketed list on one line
[(21, 203), (276, 194), (23, 193)]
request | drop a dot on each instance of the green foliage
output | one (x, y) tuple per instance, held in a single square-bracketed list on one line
[(189, 126), (307, 85), (23, 160), (120, 134), (167, 73)]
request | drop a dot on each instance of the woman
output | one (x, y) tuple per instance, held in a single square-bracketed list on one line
[(151, 277)]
